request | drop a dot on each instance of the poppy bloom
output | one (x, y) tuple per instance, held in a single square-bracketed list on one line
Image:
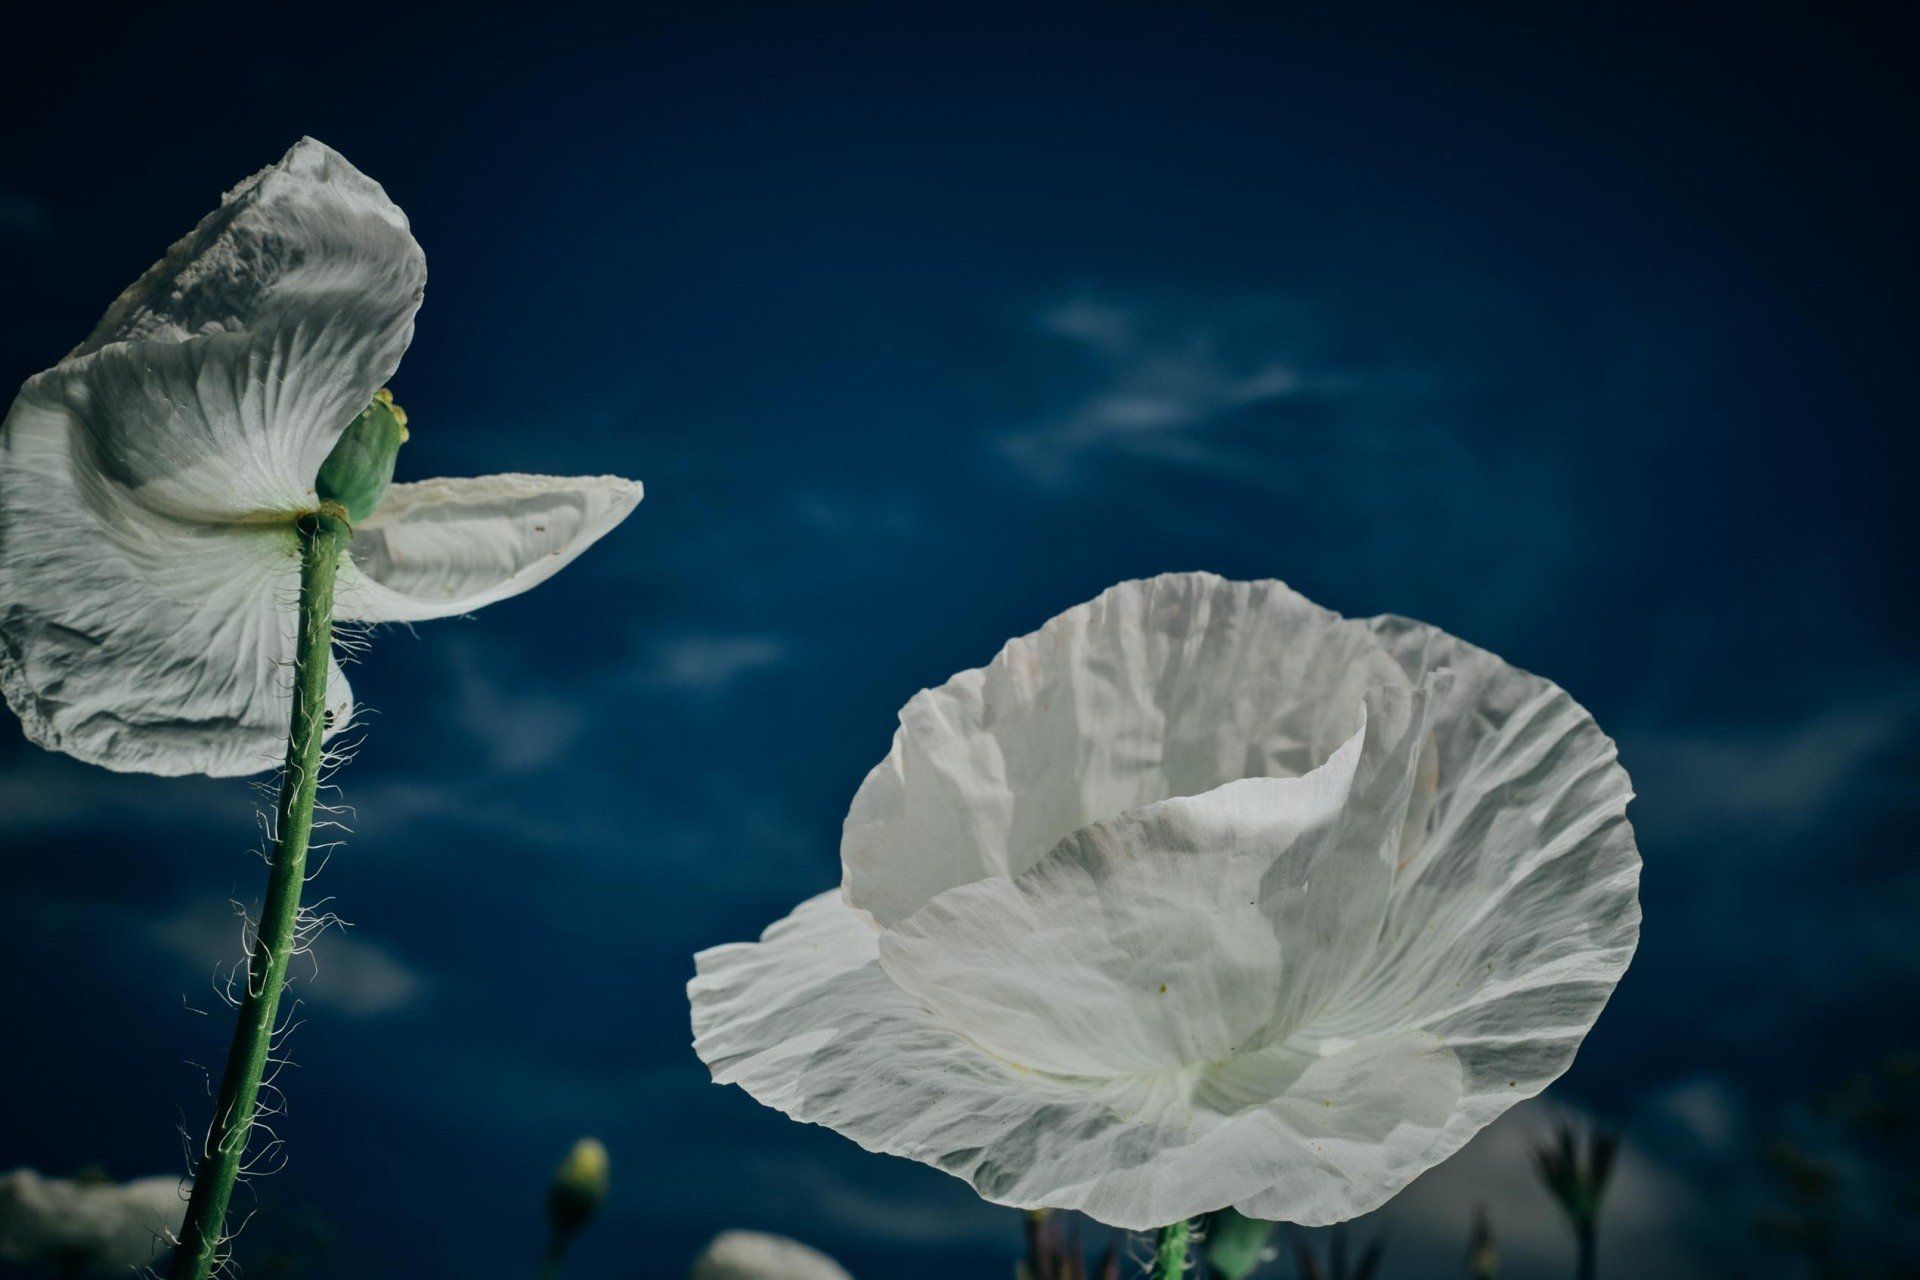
[(1199, 897), (151, 481)]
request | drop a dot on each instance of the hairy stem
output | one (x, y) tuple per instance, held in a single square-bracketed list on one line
[(323, 536), (1170, 1254)]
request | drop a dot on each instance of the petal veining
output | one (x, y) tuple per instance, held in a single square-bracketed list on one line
[(1508, 931), (148, 571), (132, 640)]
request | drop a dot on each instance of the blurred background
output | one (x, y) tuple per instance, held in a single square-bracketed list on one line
[(1588, 336)]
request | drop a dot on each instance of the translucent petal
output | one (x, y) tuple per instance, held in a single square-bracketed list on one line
[(1165, 687), (216, 385), (1289, 994), (445, 547), (132, 639), (1184, 932), (1509, 928), (146, 596), (808, 1022)]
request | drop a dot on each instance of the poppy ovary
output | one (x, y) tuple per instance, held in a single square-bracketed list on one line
[(356, 474)]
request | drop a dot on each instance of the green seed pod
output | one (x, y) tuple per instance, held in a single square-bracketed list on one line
[(360, 467), (579, 1186)]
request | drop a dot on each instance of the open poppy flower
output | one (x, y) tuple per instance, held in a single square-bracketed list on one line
[(1199, 897), (150, 481)]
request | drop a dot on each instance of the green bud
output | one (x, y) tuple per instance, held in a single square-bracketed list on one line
[(360, 467), (1236, 1244), (579, 1186), (1483, 1260)]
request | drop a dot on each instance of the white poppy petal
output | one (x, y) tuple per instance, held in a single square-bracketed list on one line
[(133, 640), (148, 570), (1164, 687), (217, 384), (1184, 932), (757, 1255), (807, 1021), (1292, 980), (1519, 912), (445, 547)]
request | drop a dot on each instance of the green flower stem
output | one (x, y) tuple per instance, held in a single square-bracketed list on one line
[(323, 536), (1170, 1255)]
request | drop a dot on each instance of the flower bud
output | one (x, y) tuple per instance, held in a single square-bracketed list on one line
[(360, 468), (1483, 1260), (1236, 1244), (579, 1186)]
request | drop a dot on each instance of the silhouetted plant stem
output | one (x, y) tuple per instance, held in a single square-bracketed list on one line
[(1586, 1245), (323, 536)]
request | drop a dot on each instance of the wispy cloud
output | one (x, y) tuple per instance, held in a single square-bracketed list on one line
[(525, 729), (709, 662), (1158, 375), (1781, 779), (41, 791), (344, 973)]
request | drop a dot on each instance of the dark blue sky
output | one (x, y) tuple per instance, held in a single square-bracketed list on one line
[(1589, 338)]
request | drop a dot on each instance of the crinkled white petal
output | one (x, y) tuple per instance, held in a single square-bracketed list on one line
[(1165, 687), (445, 547), (1363, 965), (1510, 927), (132, 639), (1185, 932), (757, 1255), (146, 603), (807, 1021), (217, 384), (100, 1228)]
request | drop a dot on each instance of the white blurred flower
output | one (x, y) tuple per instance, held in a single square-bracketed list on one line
[(1200, 896), (150, 480), (86, 1226), (755, 1255)]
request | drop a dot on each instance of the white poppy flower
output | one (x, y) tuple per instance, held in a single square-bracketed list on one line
[(1200, 896), (95, 1227), (150, 480), (756, 1255)]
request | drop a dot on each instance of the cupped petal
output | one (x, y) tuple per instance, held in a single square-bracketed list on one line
[(807, 1021), (1510, 925), (132, 640), (444, 547), (1164, 687), (1182, 933), (217, 384)]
